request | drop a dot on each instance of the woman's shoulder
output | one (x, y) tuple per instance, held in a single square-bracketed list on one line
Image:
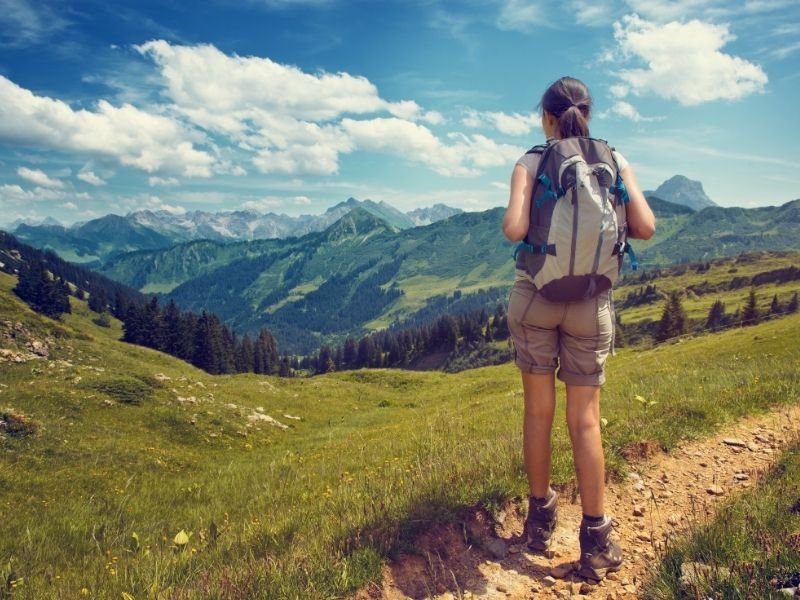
[(530, 160), (622, 162)]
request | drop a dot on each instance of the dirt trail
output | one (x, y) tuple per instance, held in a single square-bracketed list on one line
[(669, 491)]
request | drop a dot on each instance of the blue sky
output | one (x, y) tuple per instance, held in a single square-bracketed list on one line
[(294, 105)]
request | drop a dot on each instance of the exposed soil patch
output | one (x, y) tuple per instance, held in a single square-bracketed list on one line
[(482, 556)]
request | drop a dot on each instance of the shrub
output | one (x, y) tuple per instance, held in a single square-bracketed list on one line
[(103, 320), (127, 390), (17, 425)]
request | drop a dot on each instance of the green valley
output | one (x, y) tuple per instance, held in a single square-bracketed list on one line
[(125, 471), (363, 274)]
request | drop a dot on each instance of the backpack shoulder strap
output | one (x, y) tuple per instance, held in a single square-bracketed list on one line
[(537, 149)]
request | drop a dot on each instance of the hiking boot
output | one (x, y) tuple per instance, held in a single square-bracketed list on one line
[(599, 554), (541, 520)]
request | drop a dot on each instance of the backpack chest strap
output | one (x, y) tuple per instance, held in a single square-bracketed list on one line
[(535, 249)]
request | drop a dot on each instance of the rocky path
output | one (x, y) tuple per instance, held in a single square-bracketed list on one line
[(664, 496)]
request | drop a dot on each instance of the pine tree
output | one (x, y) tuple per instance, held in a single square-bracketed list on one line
[(716, 316), (153, 334), (792, 306), (775, 307), (172, 330), (265, 354), (673, 319), (350, 353), (284, 370), (208, 345), (244, 355), (325, 362), (132, 325), (367, 354), (750, 315), (98, 301), (43, 292)]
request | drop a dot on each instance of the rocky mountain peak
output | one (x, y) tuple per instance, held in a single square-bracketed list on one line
[(682, 190)]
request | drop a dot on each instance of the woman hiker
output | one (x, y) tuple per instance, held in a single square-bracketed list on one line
[(573, 336)]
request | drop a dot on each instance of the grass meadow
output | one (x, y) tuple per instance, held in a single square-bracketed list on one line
[(151, 479), (720, 274)]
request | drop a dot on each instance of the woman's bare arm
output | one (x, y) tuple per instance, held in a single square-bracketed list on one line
[(641, 220), (518, 213)]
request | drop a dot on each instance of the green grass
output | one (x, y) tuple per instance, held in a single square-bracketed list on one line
[(722, 271), (309, 511), (756, 537)]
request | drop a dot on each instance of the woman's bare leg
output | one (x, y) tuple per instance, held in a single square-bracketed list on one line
[(583, 420), (540, 404)]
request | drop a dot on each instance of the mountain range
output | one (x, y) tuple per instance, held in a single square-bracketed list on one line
[(93, 242), (362, 273), (370, 267)]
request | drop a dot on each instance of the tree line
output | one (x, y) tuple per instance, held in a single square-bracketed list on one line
[(448, 334), (674, 322), (202, 340)]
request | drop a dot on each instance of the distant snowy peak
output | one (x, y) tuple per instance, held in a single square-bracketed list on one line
[(431, 214), (247, 225), (682, 190), (46, 222)]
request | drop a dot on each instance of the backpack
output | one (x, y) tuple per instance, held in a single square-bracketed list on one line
[(577, 235)]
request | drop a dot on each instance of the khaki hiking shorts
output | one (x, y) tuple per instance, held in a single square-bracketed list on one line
[(575, 337)]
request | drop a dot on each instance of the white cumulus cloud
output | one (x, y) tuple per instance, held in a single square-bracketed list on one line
[(510, 124), (91, 178), (270, 203), (133, 137), (17, 196), (521, 15), (410, 141), (154, 181), (39, 178), (202, 76), (626, 110), (683, 61)]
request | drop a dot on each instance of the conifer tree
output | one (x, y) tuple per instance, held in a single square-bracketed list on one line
[(284, 369), (716, 316), (244, 355), (367, 354), (152, 335), (132, 325), (751, 315), (673, 319), (349, 353), (43, 292), (265, 354), (325, 362), (208, 345), (98, 301), (775, 307), (172, 330), (791, 307)]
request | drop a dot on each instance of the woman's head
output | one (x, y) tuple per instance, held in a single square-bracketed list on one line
[(570, 104)]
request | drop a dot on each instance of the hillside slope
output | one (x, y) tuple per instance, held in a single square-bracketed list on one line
[(295, 488)]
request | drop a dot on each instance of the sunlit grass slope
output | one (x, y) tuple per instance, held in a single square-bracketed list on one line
[(136, 447), (700, 289)]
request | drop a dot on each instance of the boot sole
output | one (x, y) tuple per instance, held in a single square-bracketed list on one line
[(588, 572), (539, 546)]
